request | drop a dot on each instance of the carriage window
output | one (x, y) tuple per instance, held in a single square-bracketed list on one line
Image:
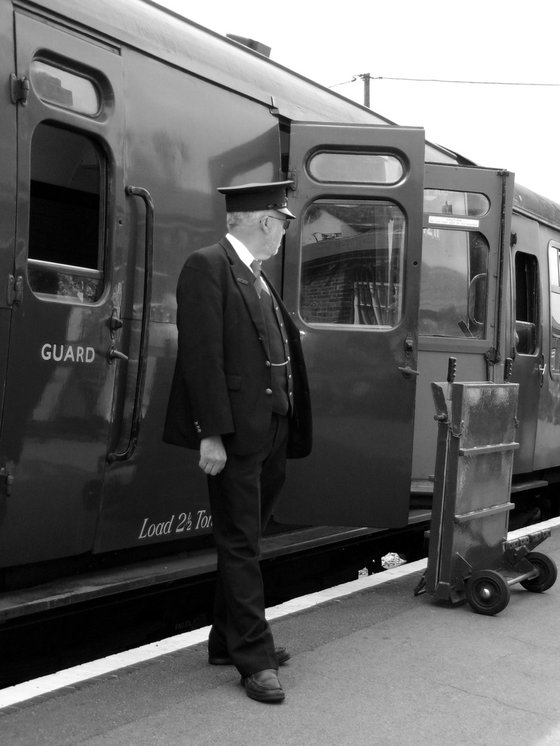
[(453, 288), (65, 89), (65, 217), (352, 264), (449, 202), (356, 168), (526, 303), (553, 256)]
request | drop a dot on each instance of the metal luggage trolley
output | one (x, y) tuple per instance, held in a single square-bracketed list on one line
[(469, 556)]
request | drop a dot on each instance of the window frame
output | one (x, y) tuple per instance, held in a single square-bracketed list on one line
[(60, 268), (553, 289), (530, 259), (402, 248), (443, 339)]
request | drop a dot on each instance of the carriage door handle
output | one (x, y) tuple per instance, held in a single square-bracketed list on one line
[(146, 197), (115, 323), (406, 370)]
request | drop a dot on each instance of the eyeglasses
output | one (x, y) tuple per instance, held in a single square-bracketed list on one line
[(285, 221)]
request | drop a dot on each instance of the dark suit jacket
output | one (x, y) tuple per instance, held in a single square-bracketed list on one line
[(221, 376)]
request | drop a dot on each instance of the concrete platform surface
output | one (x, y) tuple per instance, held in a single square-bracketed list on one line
[(377, 666)]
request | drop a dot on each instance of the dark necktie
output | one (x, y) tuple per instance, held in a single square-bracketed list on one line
[(259, 283)]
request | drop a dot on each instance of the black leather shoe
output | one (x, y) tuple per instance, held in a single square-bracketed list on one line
[(282, 656), (264, 686)]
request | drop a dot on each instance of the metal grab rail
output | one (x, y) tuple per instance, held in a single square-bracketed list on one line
[(145, 195)]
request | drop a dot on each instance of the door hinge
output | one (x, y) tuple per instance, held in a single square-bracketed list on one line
[(19, 89), (14, 290), (492, 356)]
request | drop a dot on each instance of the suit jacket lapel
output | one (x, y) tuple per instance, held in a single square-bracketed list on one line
[(243, 279)]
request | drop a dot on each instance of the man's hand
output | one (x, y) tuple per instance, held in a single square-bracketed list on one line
[(212, 455)]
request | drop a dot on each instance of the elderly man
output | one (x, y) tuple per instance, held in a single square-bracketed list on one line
[(240, 396)]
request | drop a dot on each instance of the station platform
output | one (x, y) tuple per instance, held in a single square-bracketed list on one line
[(371, 664)]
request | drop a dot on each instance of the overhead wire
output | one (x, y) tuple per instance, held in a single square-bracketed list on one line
[(443, 80)]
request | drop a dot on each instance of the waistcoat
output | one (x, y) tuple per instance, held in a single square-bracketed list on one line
[(282, 382)]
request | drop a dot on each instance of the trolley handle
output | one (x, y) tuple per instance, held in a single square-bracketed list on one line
[(144, 195), (451, 369)]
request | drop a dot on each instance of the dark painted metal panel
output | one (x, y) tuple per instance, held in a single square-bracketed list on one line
[(8, 152), (547, 441), (59, 386), (471, 353), (184, 141), (525, 369), (363, 405)]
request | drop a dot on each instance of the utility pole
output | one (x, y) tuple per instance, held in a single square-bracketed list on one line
[(366, 77)]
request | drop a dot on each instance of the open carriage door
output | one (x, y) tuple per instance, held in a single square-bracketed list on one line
[(351, 281), (466, 237)]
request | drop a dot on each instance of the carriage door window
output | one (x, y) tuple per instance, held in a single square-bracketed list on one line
[(65, 258), (352, 264), (526, 303), (453, 290), (553, 256)]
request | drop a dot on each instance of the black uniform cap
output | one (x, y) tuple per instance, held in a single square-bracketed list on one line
[(255, 197)]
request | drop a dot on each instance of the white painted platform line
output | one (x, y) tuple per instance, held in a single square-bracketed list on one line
[(47, 684), (552, 524)]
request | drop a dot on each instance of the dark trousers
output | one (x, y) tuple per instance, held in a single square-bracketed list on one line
[(242, 498)]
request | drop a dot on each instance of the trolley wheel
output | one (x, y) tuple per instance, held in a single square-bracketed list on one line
[(487, 592), (547, 573)]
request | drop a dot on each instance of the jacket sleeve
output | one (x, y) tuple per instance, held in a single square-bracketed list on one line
[(200, 323)]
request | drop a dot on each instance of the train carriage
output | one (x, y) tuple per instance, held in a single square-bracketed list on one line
[(118, 121)]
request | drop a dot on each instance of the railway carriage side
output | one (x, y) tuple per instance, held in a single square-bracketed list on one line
[(535, 332), (121, 122), (120, 149)]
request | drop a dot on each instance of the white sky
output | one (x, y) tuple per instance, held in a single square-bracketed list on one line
[(513, 41)]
